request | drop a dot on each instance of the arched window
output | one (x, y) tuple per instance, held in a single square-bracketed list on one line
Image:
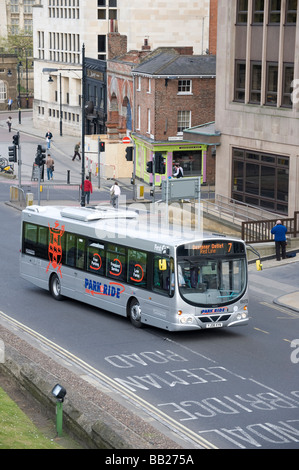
[(3, 91)]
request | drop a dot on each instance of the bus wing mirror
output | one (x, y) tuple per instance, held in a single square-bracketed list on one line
[(162, 265)]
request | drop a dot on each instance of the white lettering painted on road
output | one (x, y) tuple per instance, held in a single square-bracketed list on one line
[(258, 434), (204, 375), (214, 406), (126, 361)]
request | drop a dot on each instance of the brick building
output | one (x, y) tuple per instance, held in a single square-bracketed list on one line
[(120, 113), (8, 80), (173, 90)]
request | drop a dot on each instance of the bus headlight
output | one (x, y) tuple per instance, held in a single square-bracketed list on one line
[(186, 319), (242, 316)]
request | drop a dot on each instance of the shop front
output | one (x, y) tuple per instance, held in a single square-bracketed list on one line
[(191, 157)]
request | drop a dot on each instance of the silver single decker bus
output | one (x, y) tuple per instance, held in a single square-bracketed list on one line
[(106, 258)]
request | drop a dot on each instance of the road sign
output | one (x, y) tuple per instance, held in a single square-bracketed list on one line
[(181, 188), (126, 140)]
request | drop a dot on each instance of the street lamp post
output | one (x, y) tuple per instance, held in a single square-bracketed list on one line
[(83, 127), (19, 93), (60, 106), (51, 70)]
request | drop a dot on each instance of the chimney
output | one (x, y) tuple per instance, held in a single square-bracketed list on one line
[(146, 46)]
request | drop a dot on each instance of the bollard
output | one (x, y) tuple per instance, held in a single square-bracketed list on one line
[(68, 176), (259, 265)]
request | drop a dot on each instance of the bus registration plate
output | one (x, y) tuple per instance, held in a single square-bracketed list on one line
[(214, 325)]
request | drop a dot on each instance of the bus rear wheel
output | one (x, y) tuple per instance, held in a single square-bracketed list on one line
[(55, 287), (135, 313)]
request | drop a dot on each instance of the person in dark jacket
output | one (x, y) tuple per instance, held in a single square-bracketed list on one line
[(279, 231)]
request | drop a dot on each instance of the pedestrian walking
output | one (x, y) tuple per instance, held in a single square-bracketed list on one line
[(76, 151), (87, 189), (279, 231), (114, 195), (49, 136), (9, 123), (9, 104), (178, 171), (50, 167)]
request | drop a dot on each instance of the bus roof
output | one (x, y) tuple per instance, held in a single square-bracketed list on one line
[(115, 225)]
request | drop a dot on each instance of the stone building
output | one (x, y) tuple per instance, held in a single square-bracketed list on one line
[(60, 30), (257, 106)]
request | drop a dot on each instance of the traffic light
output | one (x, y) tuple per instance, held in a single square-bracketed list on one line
[(15, 139), (129, 154), (102, 146), (12, 153), (159, 164), (40, 157), (149, 167)]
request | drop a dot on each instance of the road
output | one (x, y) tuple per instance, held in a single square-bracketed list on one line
[(227, 389)]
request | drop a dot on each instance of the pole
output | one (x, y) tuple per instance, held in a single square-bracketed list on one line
[(38, 189), (60, 105), (99, 164), (19, 166), (83, 127), (59, 418), (26, 80), (19, 94)]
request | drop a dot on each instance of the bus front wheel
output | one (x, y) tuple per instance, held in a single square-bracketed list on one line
[(135, 313), (55, 287)]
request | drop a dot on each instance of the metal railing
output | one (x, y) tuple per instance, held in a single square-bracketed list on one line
[(17, 195), (259, 231)]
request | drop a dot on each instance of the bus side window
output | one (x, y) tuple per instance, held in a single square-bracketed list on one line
[(80, 259), (137, 261), (30, 239), (43, 242), (70, 249), (96, 260), (116, 262), (162, 276)]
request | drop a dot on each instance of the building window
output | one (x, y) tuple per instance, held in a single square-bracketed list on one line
[(149, 85), (184, 121), (242, 11), (102, 14), (102, 46), (148, 121), (240, 81), (291, 12), (272, 82), (3, 92), (258, 11), (138, 83), (274, 11), (288, 77), (14, 6), (261, 179), (185, 86), (138, 117), (255, 83)]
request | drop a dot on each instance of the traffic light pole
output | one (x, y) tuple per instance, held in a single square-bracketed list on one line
[(19, 166)]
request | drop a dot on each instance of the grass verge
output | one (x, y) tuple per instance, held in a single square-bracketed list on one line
[(17, 431)]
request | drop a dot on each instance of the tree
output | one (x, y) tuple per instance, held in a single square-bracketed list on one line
[(20, 44)]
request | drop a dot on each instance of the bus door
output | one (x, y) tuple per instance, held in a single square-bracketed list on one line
[(158, 305), (74, 260)]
